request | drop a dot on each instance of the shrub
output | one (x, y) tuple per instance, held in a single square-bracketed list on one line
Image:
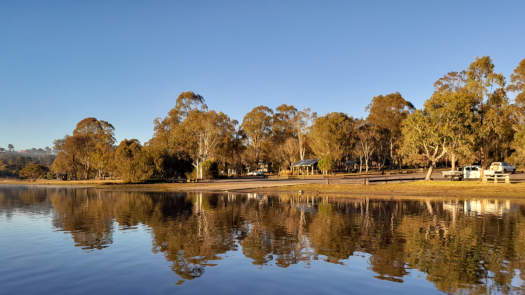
[(33, 171), (325, 164)]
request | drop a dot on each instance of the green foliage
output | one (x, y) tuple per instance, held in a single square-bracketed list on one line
[(210, 169), (11, 163), (132, 162), (454, 115), (326, 164), (386, 114), (257, 125), (34, 171), (88, 152), (469, 118), (333, 135), (518, 144), (190, 135), (423, 140), (517, 79)]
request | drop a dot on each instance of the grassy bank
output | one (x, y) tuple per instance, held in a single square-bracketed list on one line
[(103, 184), (59, 182), (417, 188)]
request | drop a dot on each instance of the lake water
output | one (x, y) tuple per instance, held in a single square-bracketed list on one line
[(88, 241)]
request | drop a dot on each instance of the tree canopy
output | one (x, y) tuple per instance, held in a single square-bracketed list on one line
[(468, 119)]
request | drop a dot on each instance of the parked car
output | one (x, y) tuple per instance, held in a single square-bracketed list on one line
[(502, 167), (468, 172), (255, 173), (472, 172)]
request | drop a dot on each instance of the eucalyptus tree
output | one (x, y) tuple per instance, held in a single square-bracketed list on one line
[(283, 122), (517, 79), (302, 123), (386, 113), (290, 127), (484, 119), (333, 135), (88, 152), (257, 125), (134, 162), (517, 85), (168, 152), (423, 141), (366, 139), (458, 122), (491, 109), (202, 133), (518, 144)]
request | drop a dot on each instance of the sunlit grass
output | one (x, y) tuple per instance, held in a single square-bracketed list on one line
[(416, 188)]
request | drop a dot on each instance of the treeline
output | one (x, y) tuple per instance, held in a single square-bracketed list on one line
[(468, 119), (31, 163)]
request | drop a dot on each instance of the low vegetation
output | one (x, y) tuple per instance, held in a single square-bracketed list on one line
[(412, 189)]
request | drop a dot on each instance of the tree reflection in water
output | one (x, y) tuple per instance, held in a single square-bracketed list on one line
[(476, 246)]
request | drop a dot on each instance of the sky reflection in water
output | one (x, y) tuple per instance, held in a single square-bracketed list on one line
[(79, 241)]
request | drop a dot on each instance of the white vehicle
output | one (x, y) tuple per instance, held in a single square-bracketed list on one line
[(472, 172), (502, 167), (468, 172), (255, 173)]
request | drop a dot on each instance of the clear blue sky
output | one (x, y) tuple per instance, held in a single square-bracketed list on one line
[(126, 61)]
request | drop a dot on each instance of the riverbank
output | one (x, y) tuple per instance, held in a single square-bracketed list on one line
[(441, 189), (464, 189)]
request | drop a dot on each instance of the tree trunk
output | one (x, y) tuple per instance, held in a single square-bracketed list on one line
[(391, 154), (429, 172), (482, 160), (453, 161)]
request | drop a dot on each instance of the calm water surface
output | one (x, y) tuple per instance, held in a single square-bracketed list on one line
[(87, 241)]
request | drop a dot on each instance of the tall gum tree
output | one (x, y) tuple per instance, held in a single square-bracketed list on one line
[(257, 125), (517, 85), (492, 121), (488, 88), (365, 143), (454, 110), (202, 134), (168, 150), (302, 124), (423, 142), (87, 152), (290, 127), (386, 113), (134, 163), (332, 136)]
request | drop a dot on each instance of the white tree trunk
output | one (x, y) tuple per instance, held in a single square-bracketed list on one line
[(429, 172)]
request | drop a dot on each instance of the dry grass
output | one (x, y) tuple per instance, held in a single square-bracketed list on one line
[(418, 188), (59, 182), (112, 184), (439, 189)]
